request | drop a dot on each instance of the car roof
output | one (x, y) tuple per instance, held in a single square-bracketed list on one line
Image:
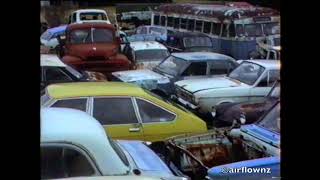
[(269, 64), (201, 56), (57, 29), (79, 128), (145, 45), (51, 60), (84, 89), (90, 10)]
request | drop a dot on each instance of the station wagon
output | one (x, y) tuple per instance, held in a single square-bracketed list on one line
[(178, 66), (125, 110)]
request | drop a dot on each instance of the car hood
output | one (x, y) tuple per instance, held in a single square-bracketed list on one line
[(138, 75), (195, 85), (262, 134), (145, 159)]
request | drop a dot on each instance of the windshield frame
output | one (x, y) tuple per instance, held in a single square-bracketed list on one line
[(181, 69), (258, 78)]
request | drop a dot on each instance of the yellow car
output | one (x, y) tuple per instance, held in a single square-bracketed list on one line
[(125, 110)]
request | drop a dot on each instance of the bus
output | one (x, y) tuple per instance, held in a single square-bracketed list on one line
[(236, 28)]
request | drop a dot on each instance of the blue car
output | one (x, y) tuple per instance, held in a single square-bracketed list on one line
[(49, 37), (263, 169)]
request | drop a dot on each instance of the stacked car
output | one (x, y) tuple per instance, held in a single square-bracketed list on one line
[(163, 103)]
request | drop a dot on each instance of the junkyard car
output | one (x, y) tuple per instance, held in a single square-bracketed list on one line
[(189, 42), (250, 111), (250, 81), (82, 148), (94, 47), (146, 54), (194, 155), (49, 37), (158, 31), (125, 110), (263, 136), (263, 168), (178, 66), (88, 15), (53, 70)]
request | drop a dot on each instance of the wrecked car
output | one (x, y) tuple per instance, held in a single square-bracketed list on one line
[(147, 117), (250, 81), (82, 148), (189, 42), (94, 47), (88, 15), (53, 70), (178, 66), (160, 32), (194, 155), (145, 54), (250, 111)]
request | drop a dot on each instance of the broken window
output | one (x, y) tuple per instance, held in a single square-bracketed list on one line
[(191, 24), (232, 31), (199, 26), (176, 23), (207, 27), (183, 24), (224, 30), (80, 104), (151, 113), (216, 28), (156, 20), (170, 21), (163, 20)]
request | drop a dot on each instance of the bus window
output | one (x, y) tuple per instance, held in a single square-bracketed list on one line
[(253, 30), (239, 30), (224, 30), (163, 21), (216, 28), (170, 21), (183, 24), (190, 24), (232, 31), (176, 23), (156, 19), (207, 27), (199, 26)]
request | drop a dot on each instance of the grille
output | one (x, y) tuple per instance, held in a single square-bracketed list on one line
[(184, 94)]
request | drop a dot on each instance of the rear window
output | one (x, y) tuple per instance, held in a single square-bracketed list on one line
[(92, 16)]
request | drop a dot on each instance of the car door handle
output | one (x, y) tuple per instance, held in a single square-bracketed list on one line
[(134, 129)]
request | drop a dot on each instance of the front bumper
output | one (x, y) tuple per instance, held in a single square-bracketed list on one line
[(188, 104)]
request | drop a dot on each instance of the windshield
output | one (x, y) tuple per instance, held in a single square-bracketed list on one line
[(93, 35), (247, 73), (272, 120), (275, 92), (151, 55), (92, 16), (74, 72), (172, 66), (197, 41)]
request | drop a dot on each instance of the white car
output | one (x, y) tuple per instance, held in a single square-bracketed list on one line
[(74, 144), (251, 80), (146, 54), (89, 15)]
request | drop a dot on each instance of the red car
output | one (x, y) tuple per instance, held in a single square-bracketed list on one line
[(94, 47)]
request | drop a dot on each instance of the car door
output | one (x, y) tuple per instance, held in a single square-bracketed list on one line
[(118, 117), (195, 70), (54, 75), (158, 123), (264, 84)]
